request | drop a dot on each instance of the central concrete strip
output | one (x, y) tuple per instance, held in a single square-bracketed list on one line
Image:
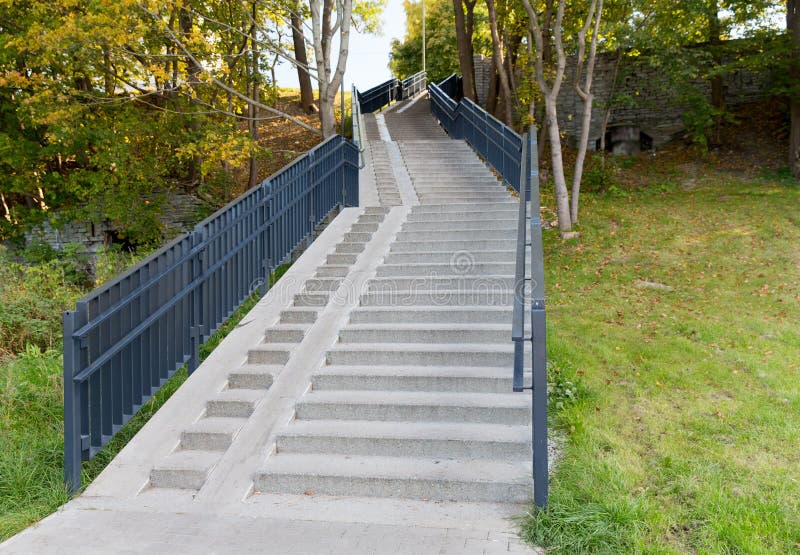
[(411, 102), (232, 479), (382, 129), (404, 183), (367, 188), (129, 472)]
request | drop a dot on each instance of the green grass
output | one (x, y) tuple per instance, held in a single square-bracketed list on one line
[(685, 434), (31, 428)]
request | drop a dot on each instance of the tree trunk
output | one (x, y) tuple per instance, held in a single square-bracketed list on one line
[(499, 63), (464, 52), (717, 90), (329, 80), (585, 93), (559, 180), (793, 26), (306, 90), (254, 112), (327, 115), (547, 58), (550, 89), (185, 24), (109, 71), (470, 28)]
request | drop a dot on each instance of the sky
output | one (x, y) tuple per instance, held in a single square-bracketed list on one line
[(368, 62)]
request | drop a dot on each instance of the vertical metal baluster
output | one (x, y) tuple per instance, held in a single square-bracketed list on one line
[(73, 397)]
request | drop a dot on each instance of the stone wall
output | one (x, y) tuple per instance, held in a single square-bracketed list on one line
[(652, 107), (179, 215)]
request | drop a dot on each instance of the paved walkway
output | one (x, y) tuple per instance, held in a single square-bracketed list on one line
[(363, 406)]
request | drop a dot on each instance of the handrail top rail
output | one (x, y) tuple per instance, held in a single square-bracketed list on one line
[(471, 105)]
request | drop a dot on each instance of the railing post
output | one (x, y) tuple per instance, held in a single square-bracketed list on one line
[(312, 187), (266, 261), (538, 333), (73, 398), (196, 326)]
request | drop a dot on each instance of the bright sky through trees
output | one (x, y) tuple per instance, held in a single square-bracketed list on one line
[(368, 62)]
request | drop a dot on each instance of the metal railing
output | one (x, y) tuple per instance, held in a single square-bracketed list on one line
[(379, 96), (532, 227), (453, 87), (499, 145), (387, 92), (413, 85), (355, 116), (515, 159), (124, 340)]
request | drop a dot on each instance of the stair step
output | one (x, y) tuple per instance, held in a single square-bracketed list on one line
[(432, 245), (416, 406), (452, 298), (510, 215), (467, 207), (420, 439), (422, 354), (184, 470), (293, 315), (490, 283), (316, 285), (211, 434), (411, 478), (430, 333), (253, 377), (365, 227), (432, 314), (234, 403), (349, 248), (342, 258), (464, 234), (285, 333), (270, 353), (444, 257), (414, 378), (333, 270), (461, 264), (357, 237), (447, 225), (308, 299)]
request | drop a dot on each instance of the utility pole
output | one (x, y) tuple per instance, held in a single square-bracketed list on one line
[(423, 36)]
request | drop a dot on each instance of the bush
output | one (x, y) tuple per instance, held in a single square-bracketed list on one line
[(31, 301), (600, 174)]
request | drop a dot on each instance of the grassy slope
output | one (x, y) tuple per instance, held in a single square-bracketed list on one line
[(686, 436), (31, 429)]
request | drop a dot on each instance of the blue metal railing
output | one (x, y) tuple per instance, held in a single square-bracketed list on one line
[(124, 340), (529, 178), (387, 92), (515, 159), (358, 128), (413, 85), (499, 145)]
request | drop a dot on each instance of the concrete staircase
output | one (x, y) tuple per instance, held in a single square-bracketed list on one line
[(204, 442), (414, 400)]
